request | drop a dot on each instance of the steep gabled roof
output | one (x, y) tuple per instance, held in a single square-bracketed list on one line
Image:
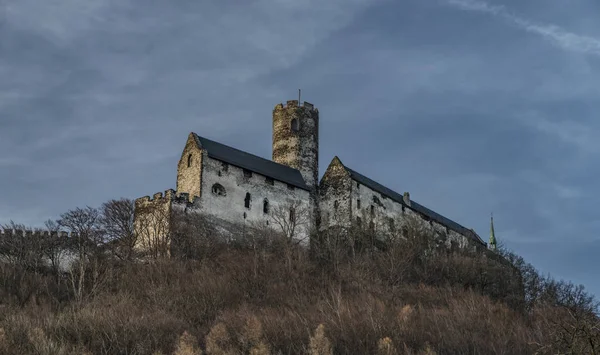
[(251, 162), (413, 205)]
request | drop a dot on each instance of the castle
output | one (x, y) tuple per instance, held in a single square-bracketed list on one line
[(231, 187)]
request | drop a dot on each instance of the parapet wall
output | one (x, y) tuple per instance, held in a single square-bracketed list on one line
[(294, 103), (171, 196), (10, 233)]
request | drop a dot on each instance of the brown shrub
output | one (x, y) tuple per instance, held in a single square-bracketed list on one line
[(319, 343), (218, 341), (187, 345), (385, 346)]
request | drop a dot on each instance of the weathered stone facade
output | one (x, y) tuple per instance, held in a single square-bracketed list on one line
[(235, 188), (189, 169)]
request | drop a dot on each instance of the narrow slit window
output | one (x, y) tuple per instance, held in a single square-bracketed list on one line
[(266, 206), (372, 210), (247, 200), (295, 125), (292, 215), (358, 204), (189, 162)]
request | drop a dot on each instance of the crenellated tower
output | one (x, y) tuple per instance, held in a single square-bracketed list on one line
[(296, 139)]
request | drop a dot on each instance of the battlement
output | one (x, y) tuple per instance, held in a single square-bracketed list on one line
[(29, 233), (169, 195), (294, 103)]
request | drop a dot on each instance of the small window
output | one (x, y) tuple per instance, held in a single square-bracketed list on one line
[(292, 215), (266, 206), (358, 204), (377, 201), (291, 187), (247, 174), (295, 125), (336, 204), (270, 181), (219, 190), (189, 160), (245, 215), (372, 210), (247, 200)]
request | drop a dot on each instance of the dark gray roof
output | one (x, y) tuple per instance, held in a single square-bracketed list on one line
[(251, 162), (414, 205)]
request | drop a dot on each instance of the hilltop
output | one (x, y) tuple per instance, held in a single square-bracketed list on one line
[(263, 293)]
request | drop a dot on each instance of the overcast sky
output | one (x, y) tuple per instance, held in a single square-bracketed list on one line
[(474, 107)]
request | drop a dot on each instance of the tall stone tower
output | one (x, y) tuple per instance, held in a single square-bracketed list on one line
[(296, 141)]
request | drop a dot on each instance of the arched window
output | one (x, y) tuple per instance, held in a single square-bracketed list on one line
[(247, 200), (219, 190), (189, 160), (295, 126), (266, 206)]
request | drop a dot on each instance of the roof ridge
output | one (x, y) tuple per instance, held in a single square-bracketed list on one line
[(244, 152), (252, 162), (414, 205)]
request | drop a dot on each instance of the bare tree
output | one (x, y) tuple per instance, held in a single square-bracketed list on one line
[(194, 236), (53, 245), (117, 220), (291, 218), (153, 229), (20, 246), (85, 241)]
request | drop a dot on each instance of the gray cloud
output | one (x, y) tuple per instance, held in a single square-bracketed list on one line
[(554, 33), (469, 115)]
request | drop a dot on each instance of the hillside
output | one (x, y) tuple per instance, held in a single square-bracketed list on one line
[(263, 294)]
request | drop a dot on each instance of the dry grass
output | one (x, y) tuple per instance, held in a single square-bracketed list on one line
[(284, 305)]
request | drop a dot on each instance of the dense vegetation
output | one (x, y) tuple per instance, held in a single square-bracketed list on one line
[(263, 294)]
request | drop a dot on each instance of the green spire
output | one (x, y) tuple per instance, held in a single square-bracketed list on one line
[(492, 244)]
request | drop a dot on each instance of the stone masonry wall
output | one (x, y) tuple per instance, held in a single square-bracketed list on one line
[(389, 216), (334, 196), (225, 187), (298, 148), (189, 169)]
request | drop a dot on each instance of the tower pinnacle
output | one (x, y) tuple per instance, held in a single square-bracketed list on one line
[(492, 245)]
